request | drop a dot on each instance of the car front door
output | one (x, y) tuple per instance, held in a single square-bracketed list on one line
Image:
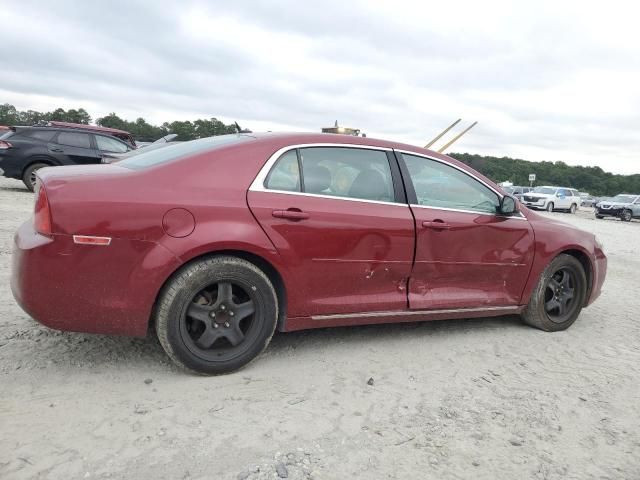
[(563, 198), (76, 146), (636, 207), (467, 255), (339, 219)]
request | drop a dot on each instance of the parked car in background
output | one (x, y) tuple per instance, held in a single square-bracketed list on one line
[(517, 191), (25, 150), (223, 240), (624, 206), (126, 137), (552, 198), (588, 201)]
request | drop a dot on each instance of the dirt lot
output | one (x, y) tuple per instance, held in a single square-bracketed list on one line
[(482, 399)]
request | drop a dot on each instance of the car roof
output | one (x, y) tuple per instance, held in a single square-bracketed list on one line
[(82, 126)]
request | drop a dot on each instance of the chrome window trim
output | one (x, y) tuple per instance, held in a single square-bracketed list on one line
[(328, 197), (520, 216), (444, 162), (258, 183)]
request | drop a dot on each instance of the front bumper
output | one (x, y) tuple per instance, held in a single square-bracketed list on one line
[(83, 288), (609, 212), (599, 275)]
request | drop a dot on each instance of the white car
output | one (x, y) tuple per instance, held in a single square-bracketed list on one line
[(552, 198)]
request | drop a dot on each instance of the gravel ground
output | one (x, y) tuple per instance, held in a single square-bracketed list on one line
[(481, 399)]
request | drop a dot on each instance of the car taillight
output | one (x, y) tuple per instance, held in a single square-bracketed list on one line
[(5, 145), (42, 212)]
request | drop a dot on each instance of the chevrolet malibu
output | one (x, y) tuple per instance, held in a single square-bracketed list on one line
[(220, 242)]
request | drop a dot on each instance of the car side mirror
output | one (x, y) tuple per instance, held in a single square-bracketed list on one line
[(508, 205)]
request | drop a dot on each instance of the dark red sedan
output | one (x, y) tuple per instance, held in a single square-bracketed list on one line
[(221, 241)]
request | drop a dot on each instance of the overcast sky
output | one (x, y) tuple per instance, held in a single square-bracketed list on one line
[(545, 80)]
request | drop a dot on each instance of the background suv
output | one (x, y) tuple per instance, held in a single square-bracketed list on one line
[(624, 206), (552, 198), (24, 150)]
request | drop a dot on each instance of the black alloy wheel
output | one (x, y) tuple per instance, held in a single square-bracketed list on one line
[(219, 322), (626, 215), (216, 314), (559, 303), (557, 300)]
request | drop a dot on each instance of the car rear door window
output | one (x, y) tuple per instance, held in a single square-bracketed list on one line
[(285, 175), (347, 172), (44, 135), (109, 144), (439, 185), (74, 139)]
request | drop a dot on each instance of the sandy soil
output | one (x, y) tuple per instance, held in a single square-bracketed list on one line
[(482, 399)]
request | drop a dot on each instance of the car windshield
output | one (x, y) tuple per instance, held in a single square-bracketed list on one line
[(545, 190), (623, 198), (151, 158), (5, 133)]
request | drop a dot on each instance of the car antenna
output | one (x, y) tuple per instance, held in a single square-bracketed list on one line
[(239, 130)]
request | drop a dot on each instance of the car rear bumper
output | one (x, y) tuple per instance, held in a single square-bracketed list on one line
[(85, 288)]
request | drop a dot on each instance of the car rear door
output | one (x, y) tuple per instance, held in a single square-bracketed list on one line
[(467, 256), (76, 146), (339, 219)]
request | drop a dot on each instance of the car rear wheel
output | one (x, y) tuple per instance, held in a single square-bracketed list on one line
[(29, 174), (573, 208), (550, 207), (216, 315), (626, 216), (558, 299), (599, 217)]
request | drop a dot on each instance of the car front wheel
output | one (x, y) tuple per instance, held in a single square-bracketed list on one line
[(216, 315), (573, 208), (559, 296), (626, 216), (550, 207)]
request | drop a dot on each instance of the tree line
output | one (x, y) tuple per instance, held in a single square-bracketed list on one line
[(590, 179), (586, 179), (140, 128)]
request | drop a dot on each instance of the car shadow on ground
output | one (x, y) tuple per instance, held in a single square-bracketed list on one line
[(64, 350), (15, 189)]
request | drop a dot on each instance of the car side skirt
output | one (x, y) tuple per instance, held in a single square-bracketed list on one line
[(404, 316)]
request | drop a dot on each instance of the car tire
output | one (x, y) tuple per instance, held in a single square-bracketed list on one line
[(573, 208), (626, 215), (28, 176), (215, 288), (555, 290), (549, 207)]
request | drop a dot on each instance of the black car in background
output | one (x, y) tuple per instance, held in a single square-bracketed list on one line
[(24, 150)]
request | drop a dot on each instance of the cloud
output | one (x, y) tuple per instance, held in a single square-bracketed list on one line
[(546, 80)]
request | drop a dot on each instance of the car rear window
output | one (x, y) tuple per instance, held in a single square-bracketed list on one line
[(163, 155)]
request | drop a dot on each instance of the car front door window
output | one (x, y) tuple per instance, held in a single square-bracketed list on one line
[(439, 185)]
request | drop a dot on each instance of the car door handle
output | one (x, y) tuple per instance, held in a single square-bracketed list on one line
[(55, 149), (436, 225), (290, 214)]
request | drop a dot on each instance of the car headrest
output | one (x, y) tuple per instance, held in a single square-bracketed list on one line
[(316, 179), (369, 185)]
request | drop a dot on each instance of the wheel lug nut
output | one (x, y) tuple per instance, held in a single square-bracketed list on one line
[(212, 314), (222, 307), (231, 314), (226, 324), (215, 325)]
